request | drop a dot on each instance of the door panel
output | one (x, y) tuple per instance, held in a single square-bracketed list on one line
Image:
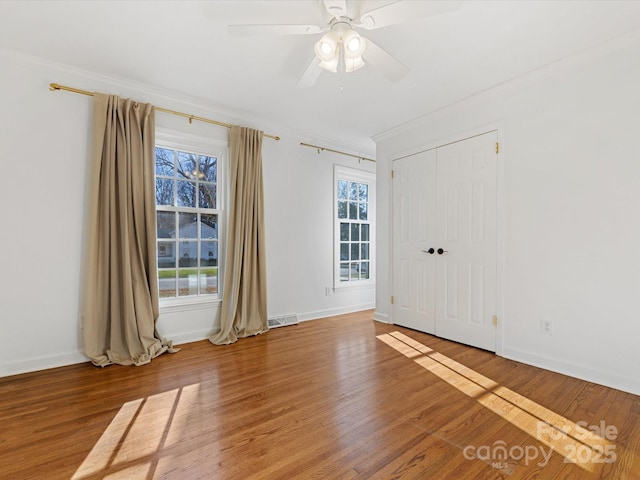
[(467, 231), (414, 204)]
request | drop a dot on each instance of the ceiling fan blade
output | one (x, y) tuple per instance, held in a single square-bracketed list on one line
[(310, 75), (378, 58), (249, 30), (404, 11), (336, 8)]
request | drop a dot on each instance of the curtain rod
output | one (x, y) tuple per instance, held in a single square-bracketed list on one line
[(322, 149), (55, 86)]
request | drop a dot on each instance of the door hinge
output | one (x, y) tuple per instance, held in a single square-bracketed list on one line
[(497, 147), (391, 299), (392, 173), (495, 320)]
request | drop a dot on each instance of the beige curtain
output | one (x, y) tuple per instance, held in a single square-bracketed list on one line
[(244, 302), (121, 292)]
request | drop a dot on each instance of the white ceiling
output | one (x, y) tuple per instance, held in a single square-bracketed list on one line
[(184, 47)]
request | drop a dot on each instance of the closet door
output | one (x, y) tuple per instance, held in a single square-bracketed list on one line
[(466, 270), (444, 241), (414, 213)]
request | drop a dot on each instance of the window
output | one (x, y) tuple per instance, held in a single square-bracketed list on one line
[(188, 218), (354, 213)]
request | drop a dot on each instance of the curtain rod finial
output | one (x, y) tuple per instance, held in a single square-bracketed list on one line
[(54, 86)]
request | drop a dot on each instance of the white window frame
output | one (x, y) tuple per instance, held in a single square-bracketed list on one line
[(360, 176), (219, 149)]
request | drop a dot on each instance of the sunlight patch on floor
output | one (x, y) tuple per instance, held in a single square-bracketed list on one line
[(560, 434), (140, 429)]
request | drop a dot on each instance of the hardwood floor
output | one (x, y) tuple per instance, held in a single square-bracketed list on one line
[(343, 397)]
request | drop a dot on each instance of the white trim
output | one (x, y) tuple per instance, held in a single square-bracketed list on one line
[(42, 363), (193, 336), (501, 251), (184, 304), (601, 377), (382, 317), (189, 141), (332, 312)]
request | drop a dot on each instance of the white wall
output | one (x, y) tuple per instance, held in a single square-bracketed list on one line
[(571, 162), (45, 140)]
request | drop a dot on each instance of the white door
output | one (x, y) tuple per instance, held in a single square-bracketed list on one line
[(447, 201), (466, 226), (414, 233)]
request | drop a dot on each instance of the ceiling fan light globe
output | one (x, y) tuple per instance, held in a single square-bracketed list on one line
[(353, 64), (327, 47), (354, 44), (330, 65)]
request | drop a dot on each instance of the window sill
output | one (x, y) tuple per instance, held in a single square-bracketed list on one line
[(354, 287), (185, 304)]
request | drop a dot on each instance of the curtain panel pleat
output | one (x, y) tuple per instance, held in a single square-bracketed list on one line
[(244, 302), (121, 291)]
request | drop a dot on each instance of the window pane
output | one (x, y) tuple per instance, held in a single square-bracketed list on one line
[(209, 280), (188, 225), (342, 209), (207, 194), (164, 191), (344, 232), (344, 272), (186, 194), (365, 232), (187, 165), (355, 232), (165, 225), (363, 189), (167, 283), (354, 271), (353, 210), (188, 254), (167, 255), (344, 251), (208, 227), (342, 189), (187, 281), (164, 162), (208, 169), (355, 251), (208, 254), (363, 211), (364, 251), (353, 191), (364, 270)]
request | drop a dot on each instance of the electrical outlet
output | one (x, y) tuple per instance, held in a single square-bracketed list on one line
[(546, 326)]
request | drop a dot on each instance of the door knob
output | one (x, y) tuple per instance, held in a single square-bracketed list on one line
[(441, 251), (430, 251)]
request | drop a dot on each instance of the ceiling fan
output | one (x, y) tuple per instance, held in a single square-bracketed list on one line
[(342, 48)]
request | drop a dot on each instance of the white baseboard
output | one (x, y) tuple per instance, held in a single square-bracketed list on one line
[(42, 363), (381, 317), (332, 312), (608, 379), (188, 337)]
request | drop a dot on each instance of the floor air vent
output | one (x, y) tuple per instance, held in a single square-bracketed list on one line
[(283, 321)]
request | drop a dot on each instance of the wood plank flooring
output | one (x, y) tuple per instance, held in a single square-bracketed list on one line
[(338, 398)]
